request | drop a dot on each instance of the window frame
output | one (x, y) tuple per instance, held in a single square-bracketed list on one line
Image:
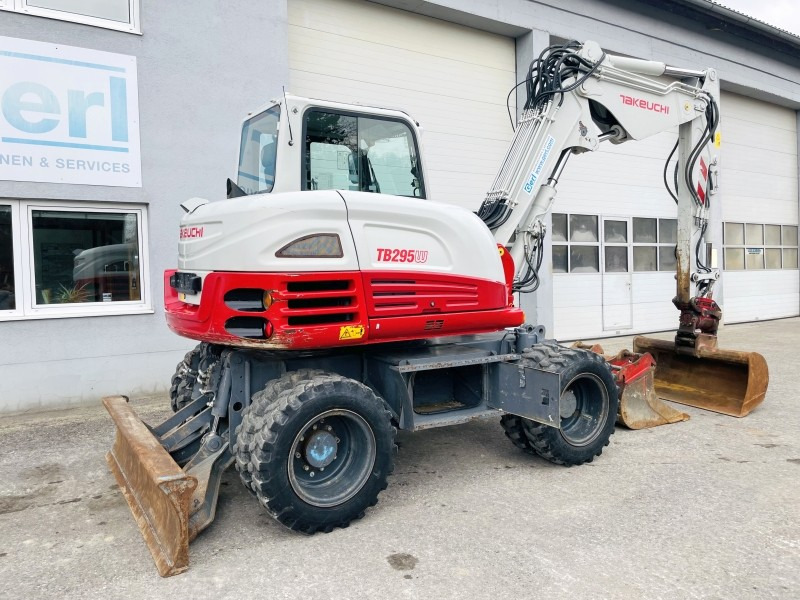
[(132, 26), (569, 243), (358, 115), (26, 307), (16, 261), (763, 247), (657, 244)]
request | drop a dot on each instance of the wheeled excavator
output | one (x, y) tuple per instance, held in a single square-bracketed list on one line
[(335, 303)]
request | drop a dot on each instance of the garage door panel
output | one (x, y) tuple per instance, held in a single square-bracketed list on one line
[(754, 136), (389, 27), (618, 198), (757, 185), (404, 69), (756, 112), (654, 316), (740, 209), (432, 112), (654, 288), (743, 159)]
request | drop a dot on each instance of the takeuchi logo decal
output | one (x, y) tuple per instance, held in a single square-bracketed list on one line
[(191, 232), (644, 104)]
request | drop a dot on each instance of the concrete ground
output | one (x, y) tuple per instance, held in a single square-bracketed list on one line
[(708, 508)]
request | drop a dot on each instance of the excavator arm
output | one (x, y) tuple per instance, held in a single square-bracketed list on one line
[(579, 97)]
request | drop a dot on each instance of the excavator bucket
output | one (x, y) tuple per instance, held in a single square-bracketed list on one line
[(639, 405), (158, 491), (730, 382)]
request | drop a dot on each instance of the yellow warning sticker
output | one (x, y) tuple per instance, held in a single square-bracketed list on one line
[(351, 332), (718, 139)]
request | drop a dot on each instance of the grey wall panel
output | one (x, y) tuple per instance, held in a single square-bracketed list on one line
[(201, 67)]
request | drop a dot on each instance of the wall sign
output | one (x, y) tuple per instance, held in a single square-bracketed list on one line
[(68, 115)]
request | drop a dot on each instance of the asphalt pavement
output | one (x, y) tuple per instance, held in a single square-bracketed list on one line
[(707, 508)]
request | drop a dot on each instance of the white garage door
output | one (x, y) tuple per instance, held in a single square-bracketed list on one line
[(619, 277), (760, 210), (452, 79), (613, 238)]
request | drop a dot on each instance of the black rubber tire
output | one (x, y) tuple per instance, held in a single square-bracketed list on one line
[(252, 414), (576, 367), (184, 378), (269, 456)]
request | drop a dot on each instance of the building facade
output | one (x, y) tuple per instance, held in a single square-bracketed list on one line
[(113, 116)]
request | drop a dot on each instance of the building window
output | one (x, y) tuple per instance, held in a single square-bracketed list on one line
[(654, 242), (756, 246), (60, 260), (7, 264), (122, 15), (581, 253)]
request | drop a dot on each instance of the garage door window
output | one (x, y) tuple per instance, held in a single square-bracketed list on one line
[(756, 246), (581, 253), (58, 260), (351, 152), (654, 244)]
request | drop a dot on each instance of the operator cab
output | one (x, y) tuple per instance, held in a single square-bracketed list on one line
[(301, 144)]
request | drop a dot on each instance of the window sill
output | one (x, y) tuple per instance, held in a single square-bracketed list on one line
[(70, 314)]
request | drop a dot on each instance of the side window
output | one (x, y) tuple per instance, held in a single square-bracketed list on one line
[(345, 152)]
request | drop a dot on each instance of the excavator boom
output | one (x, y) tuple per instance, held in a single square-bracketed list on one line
[(578, 97)]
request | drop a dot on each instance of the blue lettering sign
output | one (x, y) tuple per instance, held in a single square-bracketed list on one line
[(13, 105)]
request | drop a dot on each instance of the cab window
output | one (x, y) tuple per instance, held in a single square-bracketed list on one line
[(349, 152), (257, 152)]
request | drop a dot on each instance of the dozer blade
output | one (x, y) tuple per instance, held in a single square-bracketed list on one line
[(726, 381), (157, 490)]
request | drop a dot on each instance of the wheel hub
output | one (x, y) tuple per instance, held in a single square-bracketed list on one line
[(568, 404), (320, 449)]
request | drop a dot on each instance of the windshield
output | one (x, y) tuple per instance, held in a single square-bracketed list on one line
[(257, 152)]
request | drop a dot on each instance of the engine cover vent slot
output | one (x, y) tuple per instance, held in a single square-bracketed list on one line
[(245, 299), (247, 327), (335, 285), (321, 319)]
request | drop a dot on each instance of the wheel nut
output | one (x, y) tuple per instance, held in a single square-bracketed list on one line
[(302, 438), (329, 428), (338, 440), (313, 426), (311, 474), (322, 468), (297, 455), (305, 467)]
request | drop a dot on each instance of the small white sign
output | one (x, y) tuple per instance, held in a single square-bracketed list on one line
[(68, 115), (106, 296)]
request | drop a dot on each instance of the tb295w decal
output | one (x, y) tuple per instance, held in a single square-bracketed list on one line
[(402, 255)]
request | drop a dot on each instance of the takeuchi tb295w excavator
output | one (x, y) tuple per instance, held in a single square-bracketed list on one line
[(334, 303)]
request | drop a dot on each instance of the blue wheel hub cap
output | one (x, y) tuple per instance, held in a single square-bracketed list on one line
[(320, 449)]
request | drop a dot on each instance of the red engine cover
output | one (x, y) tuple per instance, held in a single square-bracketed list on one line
[(326, 310)]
